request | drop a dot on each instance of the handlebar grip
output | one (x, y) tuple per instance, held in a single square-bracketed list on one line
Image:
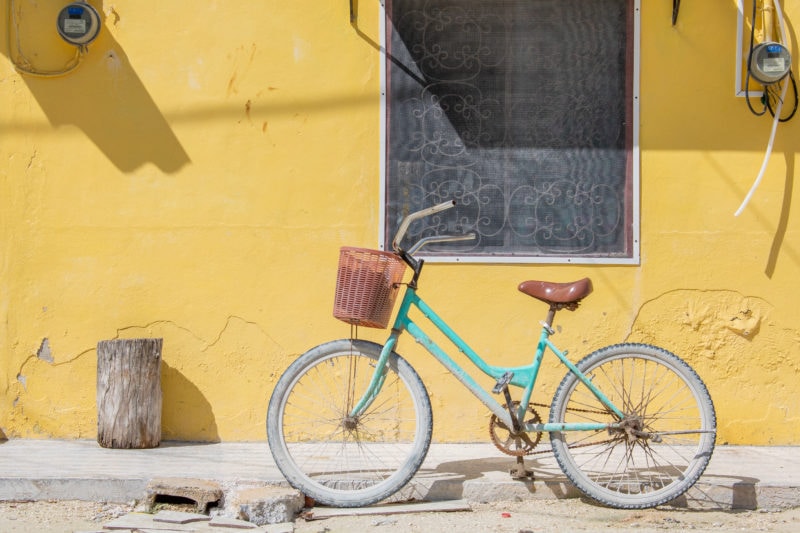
[(401, 231)]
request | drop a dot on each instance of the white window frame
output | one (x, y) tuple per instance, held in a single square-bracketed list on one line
[(635, 186)]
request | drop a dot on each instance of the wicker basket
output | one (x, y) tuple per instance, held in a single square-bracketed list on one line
[(367, 284)]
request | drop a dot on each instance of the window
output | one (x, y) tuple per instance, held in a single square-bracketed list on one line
[(523, 111)]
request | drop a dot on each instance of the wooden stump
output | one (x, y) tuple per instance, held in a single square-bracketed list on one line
[(129, 393)]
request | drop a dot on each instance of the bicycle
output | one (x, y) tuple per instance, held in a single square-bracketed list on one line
[(349, 422)]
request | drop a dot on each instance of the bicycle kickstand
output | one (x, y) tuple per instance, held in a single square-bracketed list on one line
[(518, 471)]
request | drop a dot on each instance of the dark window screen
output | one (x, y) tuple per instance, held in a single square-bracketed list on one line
[(521, 112)]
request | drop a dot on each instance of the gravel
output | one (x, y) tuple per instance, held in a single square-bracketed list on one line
[(513, 517)]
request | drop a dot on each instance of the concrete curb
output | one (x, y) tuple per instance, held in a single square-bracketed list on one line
[(745, 477)]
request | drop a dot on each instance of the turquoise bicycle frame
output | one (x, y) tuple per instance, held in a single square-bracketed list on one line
[(523, 376)]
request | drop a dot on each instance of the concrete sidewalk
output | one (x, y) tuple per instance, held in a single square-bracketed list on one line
[(743, 477)]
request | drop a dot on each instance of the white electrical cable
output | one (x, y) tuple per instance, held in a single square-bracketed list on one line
[(768, 152), (781, 25), (775, 121)]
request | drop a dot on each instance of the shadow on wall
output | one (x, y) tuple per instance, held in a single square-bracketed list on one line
[(186, 414), (783, 219), (103, 96)]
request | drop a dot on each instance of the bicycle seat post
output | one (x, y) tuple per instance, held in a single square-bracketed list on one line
[(551, 316)]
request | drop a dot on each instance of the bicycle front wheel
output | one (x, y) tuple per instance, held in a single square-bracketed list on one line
[(332, 456), (661, 446)]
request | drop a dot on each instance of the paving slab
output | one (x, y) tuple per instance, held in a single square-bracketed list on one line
[(140, 521), (233, 523), (744, 477), (449, 506), (145, 523), (178, 517)]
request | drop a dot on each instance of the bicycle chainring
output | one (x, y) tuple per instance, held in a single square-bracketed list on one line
[(511, 443)]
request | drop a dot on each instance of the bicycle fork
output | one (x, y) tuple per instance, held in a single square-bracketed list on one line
[(378, 377)]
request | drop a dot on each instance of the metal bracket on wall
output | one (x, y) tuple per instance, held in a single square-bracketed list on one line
[(676, 6)]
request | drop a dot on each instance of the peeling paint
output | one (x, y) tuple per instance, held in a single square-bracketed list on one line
[(706, 318), (113, 62), (748, 358), (746, 323), (112, 17), (44, 352), (301, 48)]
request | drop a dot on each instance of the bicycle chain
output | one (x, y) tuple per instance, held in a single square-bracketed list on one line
[(573, 409)]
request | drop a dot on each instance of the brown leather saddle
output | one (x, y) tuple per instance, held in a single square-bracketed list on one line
[(558, 295)]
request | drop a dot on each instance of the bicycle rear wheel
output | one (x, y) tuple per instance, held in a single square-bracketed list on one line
[(333, 457), (666, 438)]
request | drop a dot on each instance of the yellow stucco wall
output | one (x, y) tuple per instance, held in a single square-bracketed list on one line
[(195, 176)]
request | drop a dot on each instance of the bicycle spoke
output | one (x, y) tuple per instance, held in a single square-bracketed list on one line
[(333, 456), (657, 450)]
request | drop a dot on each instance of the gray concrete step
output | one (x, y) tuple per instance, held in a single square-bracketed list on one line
[(745, 477)]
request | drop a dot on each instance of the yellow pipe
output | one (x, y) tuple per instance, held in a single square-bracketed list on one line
[(768, 19), (22, 64)]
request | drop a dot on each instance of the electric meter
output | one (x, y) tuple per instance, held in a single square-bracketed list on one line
[(78, 23), (770, 62)]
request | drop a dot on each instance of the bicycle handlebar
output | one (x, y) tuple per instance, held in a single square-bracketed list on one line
[(440, 238), (401, 231)]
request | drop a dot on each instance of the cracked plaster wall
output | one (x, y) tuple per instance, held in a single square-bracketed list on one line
[(208, 385), (204, 203), (217, 388), (749, 359)]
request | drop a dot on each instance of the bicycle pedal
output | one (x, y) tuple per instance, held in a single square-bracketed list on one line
[(502, 382), (520, 472)]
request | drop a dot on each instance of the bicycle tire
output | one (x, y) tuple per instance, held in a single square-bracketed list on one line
[(620, 469), (328, 455)]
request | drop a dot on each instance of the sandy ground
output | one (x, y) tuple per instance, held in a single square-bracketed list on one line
[(61, 517), (518, 517)]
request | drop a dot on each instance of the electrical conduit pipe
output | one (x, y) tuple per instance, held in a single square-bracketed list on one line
[(768, 5)]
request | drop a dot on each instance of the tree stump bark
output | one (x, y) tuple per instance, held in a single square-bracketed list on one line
[(129, 393)]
